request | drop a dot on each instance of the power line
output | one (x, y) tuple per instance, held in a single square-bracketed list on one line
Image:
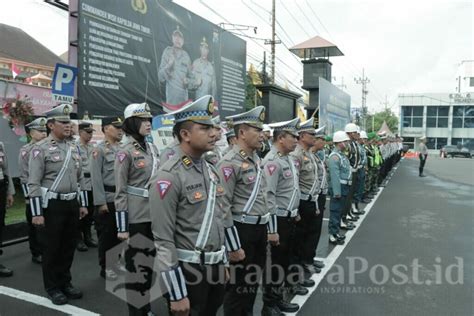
[(295, 19), (307, 19)]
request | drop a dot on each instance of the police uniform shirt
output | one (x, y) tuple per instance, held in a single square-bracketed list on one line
[(23, 160), (4, 174), (306, 164), (205, 78), (179, 196), (282, 182), (354, 154), (322, 172), (363, 156), (85, 151), (47, 158), (133, 168), (102, 169), (238, 173), (339, 169), (175, 76), (213, 156)]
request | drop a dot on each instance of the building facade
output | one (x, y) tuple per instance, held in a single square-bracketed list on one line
[(444, 118)]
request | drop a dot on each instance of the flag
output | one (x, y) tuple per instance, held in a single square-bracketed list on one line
[(15, 71)]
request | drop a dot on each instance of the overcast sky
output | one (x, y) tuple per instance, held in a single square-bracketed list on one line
[(404, 45)]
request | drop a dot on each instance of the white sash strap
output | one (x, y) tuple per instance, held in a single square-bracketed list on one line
[(253, 196)]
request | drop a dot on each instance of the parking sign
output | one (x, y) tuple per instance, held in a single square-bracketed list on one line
[(63, 83)]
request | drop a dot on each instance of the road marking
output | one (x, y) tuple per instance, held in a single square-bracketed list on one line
[(333, 256), (43, 301), (326, 219)]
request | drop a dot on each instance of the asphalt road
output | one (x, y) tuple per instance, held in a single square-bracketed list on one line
[(419, 230)]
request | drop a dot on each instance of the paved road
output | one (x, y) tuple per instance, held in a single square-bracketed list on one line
[(426, 219)]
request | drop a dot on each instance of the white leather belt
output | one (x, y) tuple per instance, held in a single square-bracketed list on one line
[(285, 213), (201, 257), (62, 196), (345, 182), (137, 191), (252, 219)]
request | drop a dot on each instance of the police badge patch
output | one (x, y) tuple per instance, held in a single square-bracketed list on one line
[(227, 172), (271, 168), (163, 187)]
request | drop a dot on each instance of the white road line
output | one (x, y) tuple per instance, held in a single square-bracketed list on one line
[(43, 301), (332, 257)]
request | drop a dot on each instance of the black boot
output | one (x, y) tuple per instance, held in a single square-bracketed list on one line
[(88, 240), (5, 272)]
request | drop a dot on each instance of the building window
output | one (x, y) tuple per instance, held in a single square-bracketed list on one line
[(412, 116), (463, 117), (436, 143), (437, 116), (409, 141), (471, 82)]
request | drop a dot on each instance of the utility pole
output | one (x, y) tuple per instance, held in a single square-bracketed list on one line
[(363, 81), (272, 42), (385, 104)]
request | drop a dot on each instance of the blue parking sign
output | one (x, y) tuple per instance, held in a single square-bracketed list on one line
[(63, 80)]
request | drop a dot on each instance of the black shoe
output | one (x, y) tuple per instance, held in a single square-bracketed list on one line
[(311, 268), (359, 212), (340, 237), (298, 290), (318, 264), (353, 218), (91, 243), (5, 272), (366, 201), (333, 239), (71, 292), (422, 175), (81, 246), (271, 311), (288, 307), (57, 297), (37, 259), (347, 226), (307, 283)]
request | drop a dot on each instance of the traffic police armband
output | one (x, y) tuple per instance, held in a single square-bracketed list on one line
[(272, 225), (232, 241), (175, 283), (121, 217)]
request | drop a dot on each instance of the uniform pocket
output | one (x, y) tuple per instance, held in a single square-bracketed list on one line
[(197, 196)]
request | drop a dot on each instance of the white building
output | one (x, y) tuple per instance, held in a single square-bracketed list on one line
[(444, 118)]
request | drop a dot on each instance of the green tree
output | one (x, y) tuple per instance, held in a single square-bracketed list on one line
[(252, 96), (375, 121)]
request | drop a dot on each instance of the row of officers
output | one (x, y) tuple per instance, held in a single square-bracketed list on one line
[(213, 216)]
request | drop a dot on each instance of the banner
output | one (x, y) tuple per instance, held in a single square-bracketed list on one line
[(155, 52), (334, 107)]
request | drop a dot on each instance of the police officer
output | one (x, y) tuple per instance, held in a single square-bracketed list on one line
[(204, 74), (231, 141), (175, 71), (267, 144), (37, 131), (85, 150), (423, 155), (363, 173), (187, 217), (306, 228), (169, 151), (213, 156), (353, 152), (103, 188), (341, 176), (283, 198), (320, 158), (135, 163), (6, 200), (54, 180), (245, 198)]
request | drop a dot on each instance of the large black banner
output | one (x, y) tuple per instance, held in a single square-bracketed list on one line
[(135, 51)]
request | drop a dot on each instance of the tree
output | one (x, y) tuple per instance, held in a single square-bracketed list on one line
[(377, 119), (252, 96)]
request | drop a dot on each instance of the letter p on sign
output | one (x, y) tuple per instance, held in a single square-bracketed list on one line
[(63, 80)]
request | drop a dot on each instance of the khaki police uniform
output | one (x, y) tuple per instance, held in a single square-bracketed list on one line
[(204, 76), (306, 228), (52, 160), (283, 197), (23, 161), (103, 188), (134, 165), (6, 188), (245, 199), (187, 222)]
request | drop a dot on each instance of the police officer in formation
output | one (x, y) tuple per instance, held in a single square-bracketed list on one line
[(136, 161), (188, 216), (56, 187), (245, 198), (85, 148), (6, 200), (341, 180), (36, 131), (283, 197), (309, 185), (103, 188), (213, 156)]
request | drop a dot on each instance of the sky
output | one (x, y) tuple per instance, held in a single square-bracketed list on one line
[(404, 46)]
